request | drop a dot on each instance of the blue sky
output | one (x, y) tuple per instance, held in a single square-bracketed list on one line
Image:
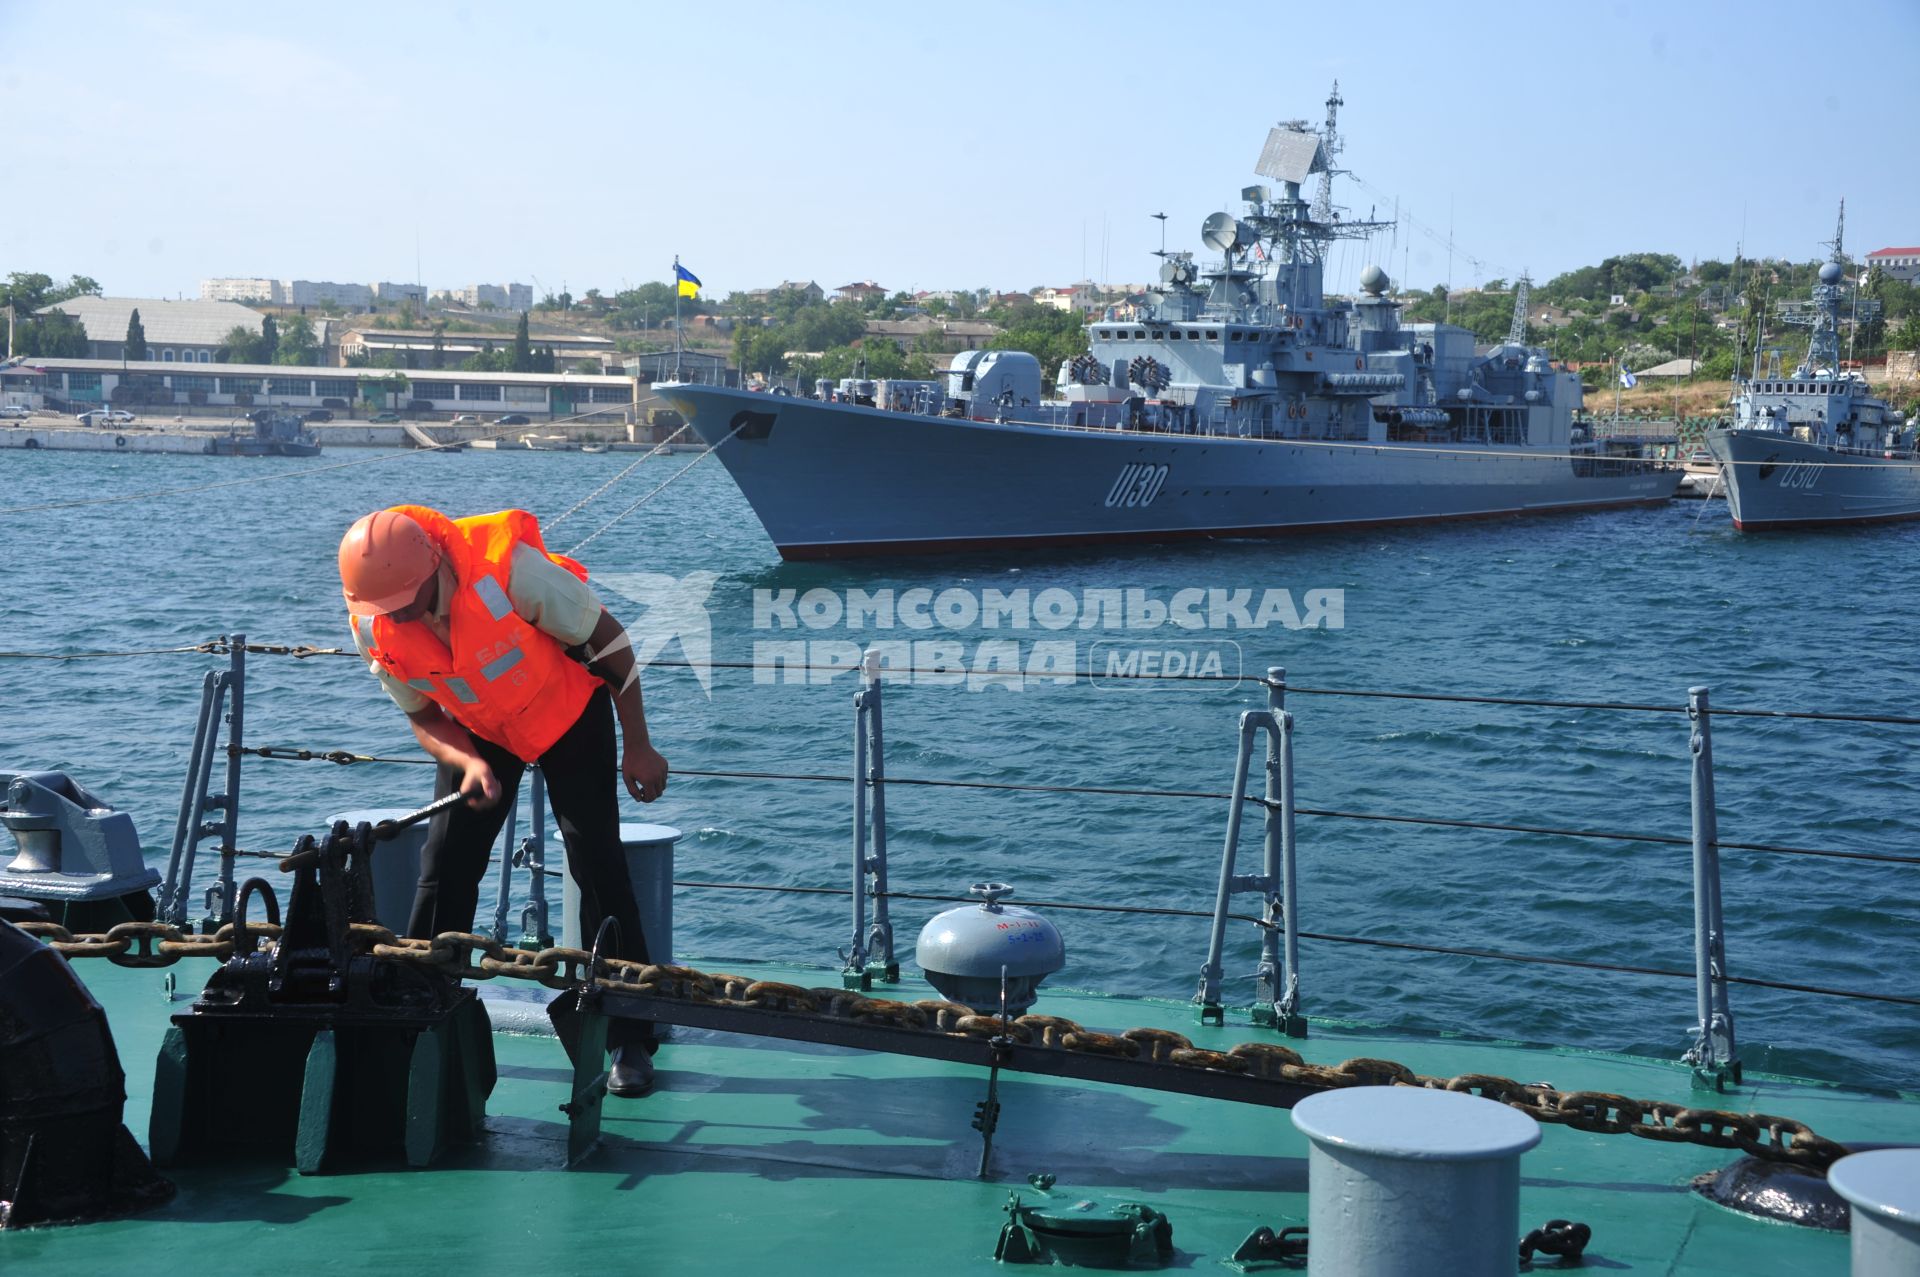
[(922, 145)]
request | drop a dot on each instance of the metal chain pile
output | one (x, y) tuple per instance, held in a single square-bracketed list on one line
[(466, 955)]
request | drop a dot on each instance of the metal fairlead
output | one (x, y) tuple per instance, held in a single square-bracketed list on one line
[(323, 1051)]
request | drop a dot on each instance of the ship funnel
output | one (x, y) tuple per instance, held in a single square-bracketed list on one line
[(967, 951)]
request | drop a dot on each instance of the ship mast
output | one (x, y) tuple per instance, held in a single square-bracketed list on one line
[(1517, 330), (1330, 146)]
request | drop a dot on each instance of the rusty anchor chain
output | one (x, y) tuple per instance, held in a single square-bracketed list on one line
[(470, 956)]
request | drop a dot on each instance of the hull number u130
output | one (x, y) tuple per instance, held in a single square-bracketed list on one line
[(1137, 485)]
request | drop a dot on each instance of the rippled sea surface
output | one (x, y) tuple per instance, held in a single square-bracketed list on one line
[(1621, 607)]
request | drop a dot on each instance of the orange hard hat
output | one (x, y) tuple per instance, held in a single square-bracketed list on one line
[(384, 559)]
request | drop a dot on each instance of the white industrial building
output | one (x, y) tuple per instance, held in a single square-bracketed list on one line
[(243, 289), (489, 296), (321, 292), (177, 331), (153, 388)]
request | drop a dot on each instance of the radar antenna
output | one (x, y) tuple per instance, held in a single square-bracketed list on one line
[(1517, 331), (1331, 146)]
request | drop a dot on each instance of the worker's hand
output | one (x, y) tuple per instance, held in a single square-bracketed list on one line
[(645, 772), (480, 785)]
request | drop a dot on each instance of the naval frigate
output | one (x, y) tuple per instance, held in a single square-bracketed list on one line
[(1816, 448), (1235, 399)]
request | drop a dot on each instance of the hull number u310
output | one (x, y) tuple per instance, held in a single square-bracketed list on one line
[(1137, 485)]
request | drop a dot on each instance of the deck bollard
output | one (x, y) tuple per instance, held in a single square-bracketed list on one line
[(1883, 1187), (649, 852), (1405, 1182)]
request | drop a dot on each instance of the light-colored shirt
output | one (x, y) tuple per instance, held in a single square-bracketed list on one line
[(544, 594)]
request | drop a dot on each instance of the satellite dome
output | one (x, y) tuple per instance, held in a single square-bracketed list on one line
[(973, 953), (1374, 281), (1830, 273)]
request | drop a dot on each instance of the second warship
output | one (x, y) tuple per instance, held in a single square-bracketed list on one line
[(1816, 448), (1235, 399)]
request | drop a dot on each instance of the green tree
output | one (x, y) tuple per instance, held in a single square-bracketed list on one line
[(55, 335), (298, 343), (269, 344), (239, 346), (28, 291), (522, 357), (1050, 336), (136, 344), (440, 345)]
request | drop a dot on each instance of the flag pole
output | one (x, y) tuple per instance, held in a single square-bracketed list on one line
[(678, 344)]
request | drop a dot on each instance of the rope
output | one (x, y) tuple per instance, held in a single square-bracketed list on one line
[(657, 491), (1725, 711), (89, 656), (1326, 937), (581, 504), (345, 757)]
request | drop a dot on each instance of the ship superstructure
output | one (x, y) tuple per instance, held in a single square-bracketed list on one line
[(1816, 447), (1234, 399)]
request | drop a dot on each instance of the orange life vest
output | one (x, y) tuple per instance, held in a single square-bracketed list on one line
[(504, 679)]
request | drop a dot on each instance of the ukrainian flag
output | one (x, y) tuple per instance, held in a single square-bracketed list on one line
[(688, 282)]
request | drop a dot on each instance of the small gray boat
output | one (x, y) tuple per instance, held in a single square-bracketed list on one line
[(1816, 448)]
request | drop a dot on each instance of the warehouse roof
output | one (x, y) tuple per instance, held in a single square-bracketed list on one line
[(192, 323)]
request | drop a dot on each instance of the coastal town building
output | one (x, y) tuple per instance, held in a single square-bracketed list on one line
[(489, 296), (1896, 263), (863, 290), (806, 290), (320, 292), (177, 331), (243, 289), (417, 347), (155, 388), (683, 365), (943, 337)]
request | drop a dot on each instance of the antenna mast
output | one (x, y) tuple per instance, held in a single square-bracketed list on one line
[(1331, 144)]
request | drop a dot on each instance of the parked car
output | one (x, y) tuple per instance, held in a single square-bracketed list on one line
[(466, 419), (105, 417), (15, 411), (319, 414), (513, 419), (384, 418)]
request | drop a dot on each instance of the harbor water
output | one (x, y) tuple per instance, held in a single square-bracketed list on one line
[(1631, 606)]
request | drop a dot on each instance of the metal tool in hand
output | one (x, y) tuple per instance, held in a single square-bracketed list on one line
[(382, 831)]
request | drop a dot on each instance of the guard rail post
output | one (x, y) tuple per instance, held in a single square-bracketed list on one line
[(1276, 1002), (1211, 1010), (880, 935), (220, 906), (854, 974), (1713, 1055), (536, 932), (186, 829), (503, 902)]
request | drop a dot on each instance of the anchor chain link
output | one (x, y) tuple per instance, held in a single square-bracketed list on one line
[(471, 956)]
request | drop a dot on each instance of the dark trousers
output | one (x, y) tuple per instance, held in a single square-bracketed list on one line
[(581, 770)]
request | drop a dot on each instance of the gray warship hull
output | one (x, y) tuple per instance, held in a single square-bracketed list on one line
[(1776, 482), (835, 480)]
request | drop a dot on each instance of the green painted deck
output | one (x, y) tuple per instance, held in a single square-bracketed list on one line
[(761, 1156)]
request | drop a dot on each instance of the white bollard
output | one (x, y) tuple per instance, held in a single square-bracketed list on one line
[(649, 852), (1405, 1182), (1883, 1187)]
